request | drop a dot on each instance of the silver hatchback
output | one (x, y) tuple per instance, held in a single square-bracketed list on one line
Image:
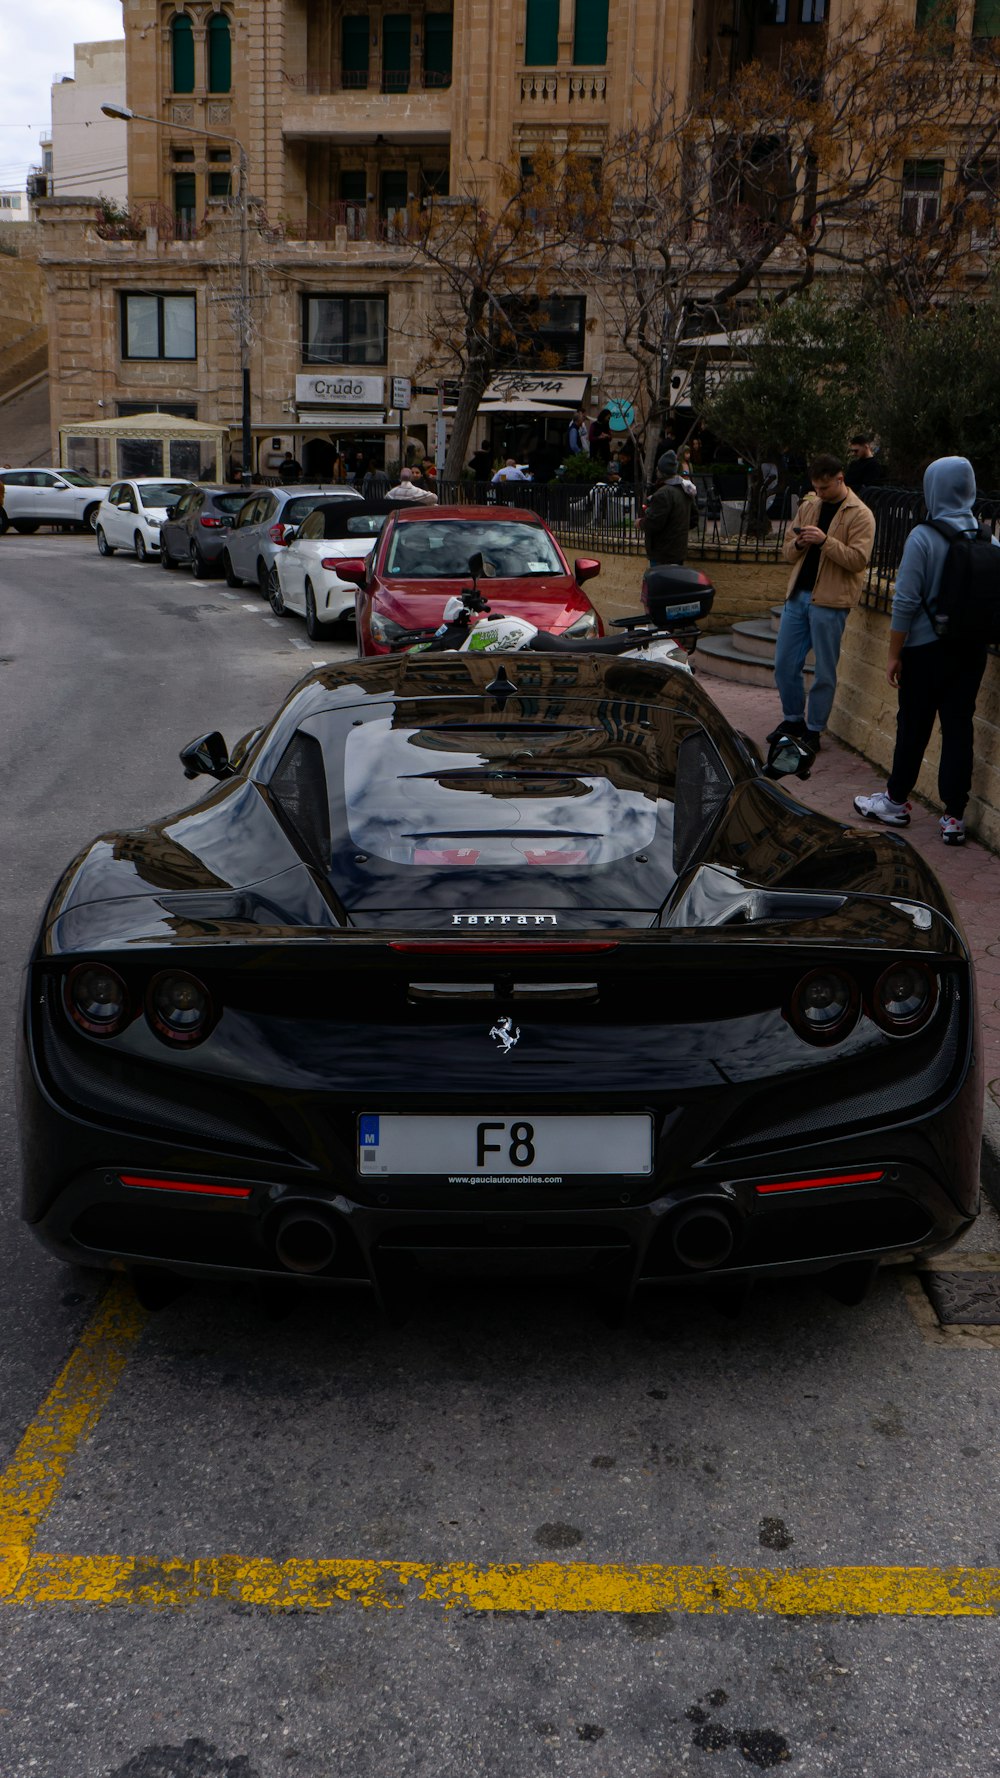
[(257, 533)]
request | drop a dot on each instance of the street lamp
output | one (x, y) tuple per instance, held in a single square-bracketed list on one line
[(125, 115)]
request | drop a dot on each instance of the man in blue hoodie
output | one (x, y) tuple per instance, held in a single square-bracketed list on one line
[(934, 676)]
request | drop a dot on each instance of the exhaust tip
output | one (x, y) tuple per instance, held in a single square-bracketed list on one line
[(703, 1237), (305, 1242)]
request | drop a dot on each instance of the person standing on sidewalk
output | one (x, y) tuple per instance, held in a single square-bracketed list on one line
[(830, 546), (933, 675)]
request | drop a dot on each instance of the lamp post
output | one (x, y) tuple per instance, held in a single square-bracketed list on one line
[(126, 115)]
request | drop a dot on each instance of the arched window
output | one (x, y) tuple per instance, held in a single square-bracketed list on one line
[(182, 54), (220, 54)]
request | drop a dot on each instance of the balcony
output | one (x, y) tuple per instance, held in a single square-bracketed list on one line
[(346, 222), (395, 112), (571, 94)]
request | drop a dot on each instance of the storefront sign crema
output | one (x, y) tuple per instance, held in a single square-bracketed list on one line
[(342, 390)]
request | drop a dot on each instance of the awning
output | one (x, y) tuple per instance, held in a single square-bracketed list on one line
[(326, 422), (524, 406)]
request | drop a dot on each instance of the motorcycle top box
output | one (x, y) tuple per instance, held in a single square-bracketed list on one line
[(671, 594)]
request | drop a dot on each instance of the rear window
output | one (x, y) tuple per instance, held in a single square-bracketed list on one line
[(227, 502), (294, 511), (431, 549), (161, 493)]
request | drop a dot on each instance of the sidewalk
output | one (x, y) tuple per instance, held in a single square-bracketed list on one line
[(970, 873)]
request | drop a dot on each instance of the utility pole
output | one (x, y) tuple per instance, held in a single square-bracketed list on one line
[(243, 199)]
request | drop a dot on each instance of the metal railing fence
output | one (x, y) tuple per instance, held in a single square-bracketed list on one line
[(896, 511)]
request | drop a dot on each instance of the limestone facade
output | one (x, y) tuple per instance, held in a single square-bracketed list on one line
[(346, 112)]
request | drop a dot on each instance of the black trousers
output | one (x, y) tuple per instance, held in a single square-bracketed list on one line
[(937, 679)]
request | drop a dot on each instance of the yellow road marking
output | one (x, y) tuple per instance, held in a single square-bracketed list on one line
[(29, 1487), (36, 1472), (540, 1586)]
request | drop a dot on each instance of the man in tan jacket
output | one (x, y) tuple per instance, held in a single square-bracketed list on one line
[(829, 545)]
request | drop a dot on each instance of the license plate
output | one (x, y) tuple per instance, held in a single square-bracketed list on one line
[(471, 1149), (690, 610)]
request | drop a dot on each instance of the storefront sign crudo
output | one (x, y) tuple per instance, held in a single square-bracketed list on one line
[(340, 390)]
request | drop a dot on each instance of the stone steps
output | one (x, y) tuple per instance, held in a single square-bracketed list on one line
[(746, 652)]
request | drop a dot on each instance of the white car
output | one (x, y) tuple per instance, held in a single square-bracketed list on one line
[(131, 515), (34, 497), (304, 577)]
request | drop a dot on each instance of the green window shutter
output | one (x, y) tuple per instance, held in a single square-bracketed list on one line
[(182, 54), (541, 33), (437, 43), (354, 43), (396, 49), (220, 54), (986, 19), (590, 34)]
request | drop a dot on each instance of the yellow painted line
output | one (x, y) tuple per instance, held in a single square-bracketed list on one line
[(37, 1470), (541, 1586)]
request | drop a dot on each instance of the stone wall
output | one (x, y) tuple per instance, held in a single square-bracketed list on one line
[(742, 589), (864, 715), (23, 335)]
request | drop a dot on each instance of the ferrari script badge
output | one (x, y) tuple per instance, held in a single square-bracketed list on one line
[(505, 1033)]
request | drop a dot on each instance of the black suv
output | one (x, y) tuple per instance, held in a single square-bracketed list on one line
[(195, 530)]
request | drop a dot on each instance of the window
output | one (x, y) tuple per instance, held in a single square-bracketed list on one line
[(219, 185), (10, 201), (921, 195), (184, 203), (437, 48), (986, 19), (220, 54), (156, 326), (182, 54), (393, 194), (541, 33), (396, 52), (549, 332), (344, 329), (982, 201), (354, 49), (773, 12), (812, 12), (590, 33)]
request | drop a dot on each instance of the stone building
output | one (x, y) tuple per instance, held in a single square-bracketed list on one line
[(346, 113)]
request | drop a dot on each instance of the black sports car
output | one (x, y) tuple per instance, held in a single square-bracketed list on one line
[(472, 966)]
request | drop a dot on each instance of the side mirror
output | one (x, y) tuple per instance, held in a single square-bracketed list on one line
[(289, 532), (171, 512), (208, 756), (354, 570), (477, 565), (585, 567), (788, 758), (60, 484)]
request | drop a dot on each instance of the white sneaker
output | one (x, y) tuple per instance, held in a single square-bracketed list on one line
[(952, 830), (880, 807)]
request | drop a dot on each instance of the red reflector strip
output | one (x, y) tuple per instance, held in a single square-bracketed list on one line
[(469, 946), (805, 1185), (185, 1185)]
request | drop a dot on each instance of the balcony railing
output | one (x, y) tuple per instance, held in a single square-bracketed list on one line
[(563, 86), (360, 80), (362, 222)]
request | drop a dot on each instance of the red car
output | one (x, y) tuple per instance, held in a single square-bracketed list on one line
[(422, 559)]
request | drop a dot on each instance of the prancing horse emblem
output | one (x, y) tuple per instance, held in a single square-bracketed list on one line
[(506, 1034)]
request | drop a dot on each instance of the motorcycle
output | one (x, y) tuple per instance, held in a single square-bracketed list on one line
[(666, 633)]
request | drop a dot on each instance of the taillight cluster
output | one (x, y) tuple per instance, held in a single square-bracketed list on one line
[(178, 1008), (277, 532), (827, 1003), (210, 523)]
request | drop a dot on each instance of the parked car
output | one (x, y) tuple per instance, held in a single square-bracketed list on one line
[(131, 516), (258, 531), (435, 980), (422, 560), (34, 497), (305, 575), (195, 530)]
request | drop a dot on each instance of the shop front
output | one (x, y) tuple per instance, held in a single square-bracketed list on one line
[(526, 414)]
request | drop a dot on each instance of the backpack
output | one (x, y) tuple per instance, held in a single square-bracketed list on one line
[(968, 601)]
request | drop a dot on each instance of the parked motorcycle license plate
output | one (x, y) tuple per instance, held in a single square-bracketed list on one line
[(469, 1148), (691, 609)]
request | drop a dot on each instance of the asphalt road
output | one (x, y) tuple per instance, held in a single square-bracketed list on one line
[(648, 1497)]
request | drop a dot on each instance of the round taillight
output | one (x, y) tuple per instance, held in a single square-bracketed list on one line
[(825, 1006), (97, 999), (180, 1010), (904, 998)]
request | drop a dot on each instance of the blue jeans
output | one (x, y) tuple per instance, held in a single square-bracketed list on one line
[(804, 626)]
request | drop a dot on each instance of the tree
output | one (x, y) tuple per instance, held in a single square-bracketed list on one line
[(798, 388), (930, 387), (497, 253), (781, 173)]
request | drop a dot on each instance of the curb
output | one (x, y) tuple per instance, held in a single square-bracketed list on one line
[(990, 1165)]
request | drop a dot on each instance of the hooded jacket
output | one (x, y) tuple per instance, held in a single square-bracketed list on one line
[(949, 492)]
